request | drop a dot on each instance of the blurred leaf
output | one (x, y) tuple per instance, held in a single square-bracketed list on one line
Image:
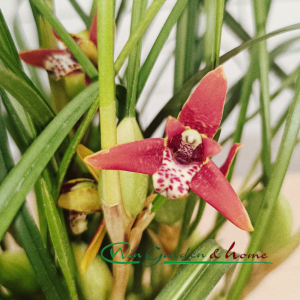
[(24, 175), (38, 256), (17, 274), (196, 281), (86, 19), (33, 71), (6, 162)]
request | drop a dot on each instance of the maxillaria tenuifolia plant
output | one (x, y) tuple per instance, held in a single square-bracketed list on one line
[(120, 204)]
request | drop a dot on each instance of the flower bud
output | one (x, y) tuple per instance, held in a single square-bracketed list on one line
[(134, 185), (80, 196), (279, 228), (17, 274), (96, 283)]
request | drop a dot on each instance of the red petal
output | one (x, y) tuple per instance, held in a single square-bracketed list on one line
[(211, 185), (93, 31), (142, 157), (203, 110), (57, 62), (211, 147), (87, 80), (225, 167), (173, 127)]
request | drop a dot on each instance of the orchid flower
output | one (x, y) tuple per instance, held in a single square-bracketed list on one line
[(181, 162), (61, 62)]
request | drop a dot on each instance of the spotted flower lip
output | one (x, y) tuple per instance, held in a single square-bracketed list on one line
[(61, 62), (181, 161)]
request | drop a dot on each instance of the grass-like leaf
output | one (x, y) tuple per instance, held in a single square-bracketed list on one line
[(38, 256), (195, 281), (23, 176), (60, 240), (273, 188), (159, 43), (173, 106)]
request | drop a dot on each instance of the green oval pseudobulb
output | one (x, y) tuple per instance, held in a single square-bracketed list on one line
[(134, 185), (279, 229), (16, 273)]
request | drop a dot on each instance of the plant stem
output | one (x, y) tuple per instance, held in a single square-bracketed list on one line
[(105, 31), (263, 57)]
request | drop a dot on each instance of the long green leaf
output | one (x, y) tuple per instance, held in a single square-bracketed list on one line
[(174, 105), (59, 240), (27, 96), (195, 281), (23, 176), (29, 235), (273, 188), (141, 27), (159, 43), (38, 256)]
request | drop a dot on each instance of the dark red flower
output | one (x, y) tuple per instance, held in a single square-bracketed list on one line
[(181, 162)]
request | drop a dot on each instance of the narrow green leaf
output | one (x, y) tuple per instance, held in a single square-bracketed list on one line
[(23, 176), (33, 71), (141, 28), (27, 96), (173, 106), (138, 10), (38, 256), (218, 31), (59, 240), (6, 162), (263, 59), (86, 19), (159, 43), (273, 188), (7, 42), (196, 281), (22, 122)]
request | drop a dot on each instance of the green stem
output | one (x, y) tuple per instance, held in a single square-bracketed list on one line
[(189, 208), (273, 188), (105, 30), (263, 57)]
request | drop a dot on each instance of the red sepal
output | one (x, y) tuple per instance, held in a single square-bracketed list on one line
[(173, 127), (93, 30), (225, 167), (203, 110), (211, 185), (143, 156)]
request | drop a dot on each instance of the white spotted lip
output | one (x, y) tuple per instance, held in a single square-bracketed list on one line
[(172, 179)]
